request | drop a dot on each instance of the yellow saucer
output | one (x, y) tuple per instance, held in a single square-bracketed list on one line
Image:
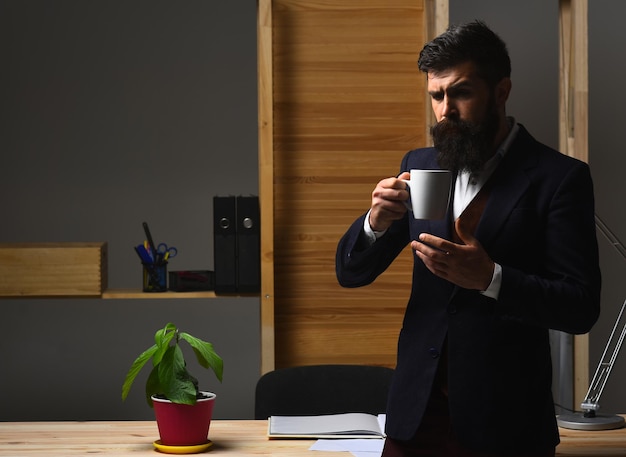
[(182, 449)]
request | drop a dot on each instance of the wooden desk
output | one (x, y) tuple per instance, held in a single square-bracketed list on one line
[(134, 438), (230, 437)]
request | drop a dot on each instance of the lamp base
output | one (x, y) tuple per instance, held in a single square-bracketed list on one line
[(578, 421)]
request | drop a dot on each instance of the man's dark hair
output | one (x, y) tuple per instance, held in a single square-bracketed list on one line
[(473, 42)]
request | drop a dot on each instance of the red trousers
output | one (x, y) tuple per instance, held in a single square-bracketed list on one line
[(435, 438)]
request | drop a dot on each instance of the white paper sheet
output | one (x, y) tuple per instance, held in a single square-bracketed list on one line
[(357, 447)]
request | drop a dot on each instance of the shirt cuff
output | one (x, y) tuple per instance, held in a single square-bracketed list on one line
[(493, 291), (370, 234)]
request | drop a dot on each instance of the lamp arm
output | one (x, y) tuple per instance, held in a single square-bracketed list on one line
[(611, 237), (601, 376), (591, 402)]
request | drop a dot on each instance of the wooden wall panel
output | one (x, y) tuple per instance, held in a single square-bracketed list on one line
[(574, 129), (348, 103)]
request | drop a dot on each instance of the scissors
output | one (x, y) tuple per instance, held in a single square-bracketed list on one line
[(165, 252)]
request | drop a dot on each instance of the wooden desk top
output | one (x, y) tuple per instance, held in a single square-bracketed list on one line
[(230, 437), (135, 438)]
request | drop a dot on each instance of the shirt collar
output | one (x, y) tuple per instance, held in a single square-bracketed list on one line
[(506, 144)]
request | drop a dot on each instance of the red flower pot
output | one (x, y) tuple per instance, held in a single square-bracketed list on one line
[(184, 425)]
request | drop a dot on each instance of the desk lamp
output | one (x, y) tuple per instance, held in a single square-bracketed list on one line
[(589, 419)]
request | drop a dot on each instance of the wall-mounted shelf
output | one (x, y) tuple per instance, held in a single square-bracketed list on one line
[(137, 293), (71, 270)]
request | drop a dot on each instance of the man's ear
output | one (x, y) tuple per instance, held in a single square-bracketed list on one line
[(503, 89)]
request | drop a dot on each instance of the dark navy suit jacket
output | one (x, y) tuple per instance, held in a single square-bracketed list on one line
[(538, 224)]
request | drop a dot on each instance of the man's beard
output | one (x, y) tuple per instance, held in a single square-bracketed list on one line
[(465, 146)]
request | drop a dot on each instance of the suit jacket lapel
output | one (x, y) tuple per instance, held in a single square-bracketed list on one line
[(510, 183)]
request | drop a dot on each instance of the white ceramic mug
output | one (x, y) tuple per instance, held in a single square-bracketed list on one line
[(429, 193)]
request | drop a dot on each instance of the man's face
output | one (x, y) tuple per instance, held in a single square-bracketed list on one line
[(467, 117)]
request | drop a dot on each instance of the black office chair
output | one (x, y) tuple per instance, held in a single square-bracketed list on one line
[(322, 389)]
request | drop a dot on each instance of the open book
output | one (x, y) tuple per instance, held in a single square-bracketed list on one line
[(345, 425)]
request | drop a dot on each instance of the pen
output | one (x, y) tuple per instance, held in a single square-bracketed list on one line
[(139, 254), (143, 254), (150, 241), (147, 250)]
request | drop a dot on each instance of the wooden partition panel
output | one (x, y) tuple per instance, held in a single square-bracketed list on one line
[(574, 130), (347, 103)]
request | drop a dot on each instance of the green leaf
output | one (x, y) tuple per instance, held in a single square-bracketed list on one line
[(206, 355), (135, 369), (164, 333), (153, 386), (182, 391), (176, 382), (162, 338)]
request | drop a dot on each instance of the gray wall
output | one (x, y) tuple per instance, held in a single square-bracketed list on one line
[(530, 30), (606, 125), (113, 113)]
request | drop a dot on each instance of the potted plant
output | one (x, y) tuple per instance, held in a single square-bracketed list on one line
[(183, 412)]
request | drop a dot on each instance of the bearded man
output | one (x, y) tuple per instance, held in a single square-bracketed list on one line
[(515, 257)]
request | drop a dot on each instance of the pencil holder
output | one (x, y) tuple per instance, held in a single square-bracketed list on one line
[(154, 277)]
